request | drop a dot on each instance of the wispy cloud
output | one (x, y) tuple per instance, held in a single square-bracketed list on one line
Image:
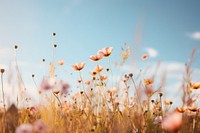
[(194, 35), (151, 52)]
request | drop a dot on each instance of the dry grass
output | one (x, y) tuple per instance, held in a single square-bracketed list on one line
[(100, 107)]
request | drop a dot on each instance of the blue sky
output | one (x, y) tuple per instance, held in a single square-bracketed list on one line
[(171, 28), (163, 25)]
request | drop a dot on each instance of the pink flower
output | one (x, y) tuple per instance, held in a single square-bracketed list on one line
[(105, 51), (32, 110), (157, 120), (24, 128), (64, 87), (78, 66), (61, 62), (39, 126), (172, 122), (96, 57), (47, 83), (99, 68), (56, 91), (103, 77), (144, 57)]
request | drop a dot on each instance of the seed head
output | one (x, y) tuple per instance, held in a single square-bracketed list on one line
[(130, 74), (54, 45), (54, 33), (2, 70), (15, 46)]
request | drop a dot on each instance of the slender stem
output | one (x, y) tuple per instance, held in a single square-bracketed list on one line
[(194, 122), (18, 72), (136, 91), (58, 101), (83, 86), (34, 82), (161, 105), (52, 69), (110, 70), (4, 105)]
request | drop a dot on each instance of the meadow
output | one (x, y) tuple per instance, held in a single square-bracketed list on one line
[(100, 105)]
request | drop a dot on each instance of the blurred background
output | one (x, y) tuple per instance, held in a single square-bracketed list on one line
[(167, 31)]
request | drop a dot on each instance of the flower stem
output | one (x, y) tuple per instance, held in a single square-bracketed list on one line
[(110, 70), (4, 105), (136, 91), (83, 86)]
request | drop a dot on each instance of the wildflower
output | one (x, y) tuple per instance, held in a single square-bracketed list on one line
[(87, 82), (113, 90), (64, 87), (78, 66), (93, 73), (32, 110), (39, 126), (96, 57), (61, 62), (56, 91), (144, 57), (99, 68), (157, 120), (193, 109), (2, 70), (105, 51), (79, 80), (125, 53), (181, 109), (15, 46), (24, 128), (54, 34), (130, 75), (148, 81), (103, 77), (54, 45), (195, 85), (168, 102), (172, 122), (160, 94), (76, 96), (149, 90), (47, 84)]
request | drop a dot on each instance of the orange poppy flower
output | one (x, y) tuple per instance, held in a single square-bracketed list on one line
[(148, 81), (144, 57), (195, 85), (106, 51), (96, 57), (78, 66), (61, 62), (181, 109)]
